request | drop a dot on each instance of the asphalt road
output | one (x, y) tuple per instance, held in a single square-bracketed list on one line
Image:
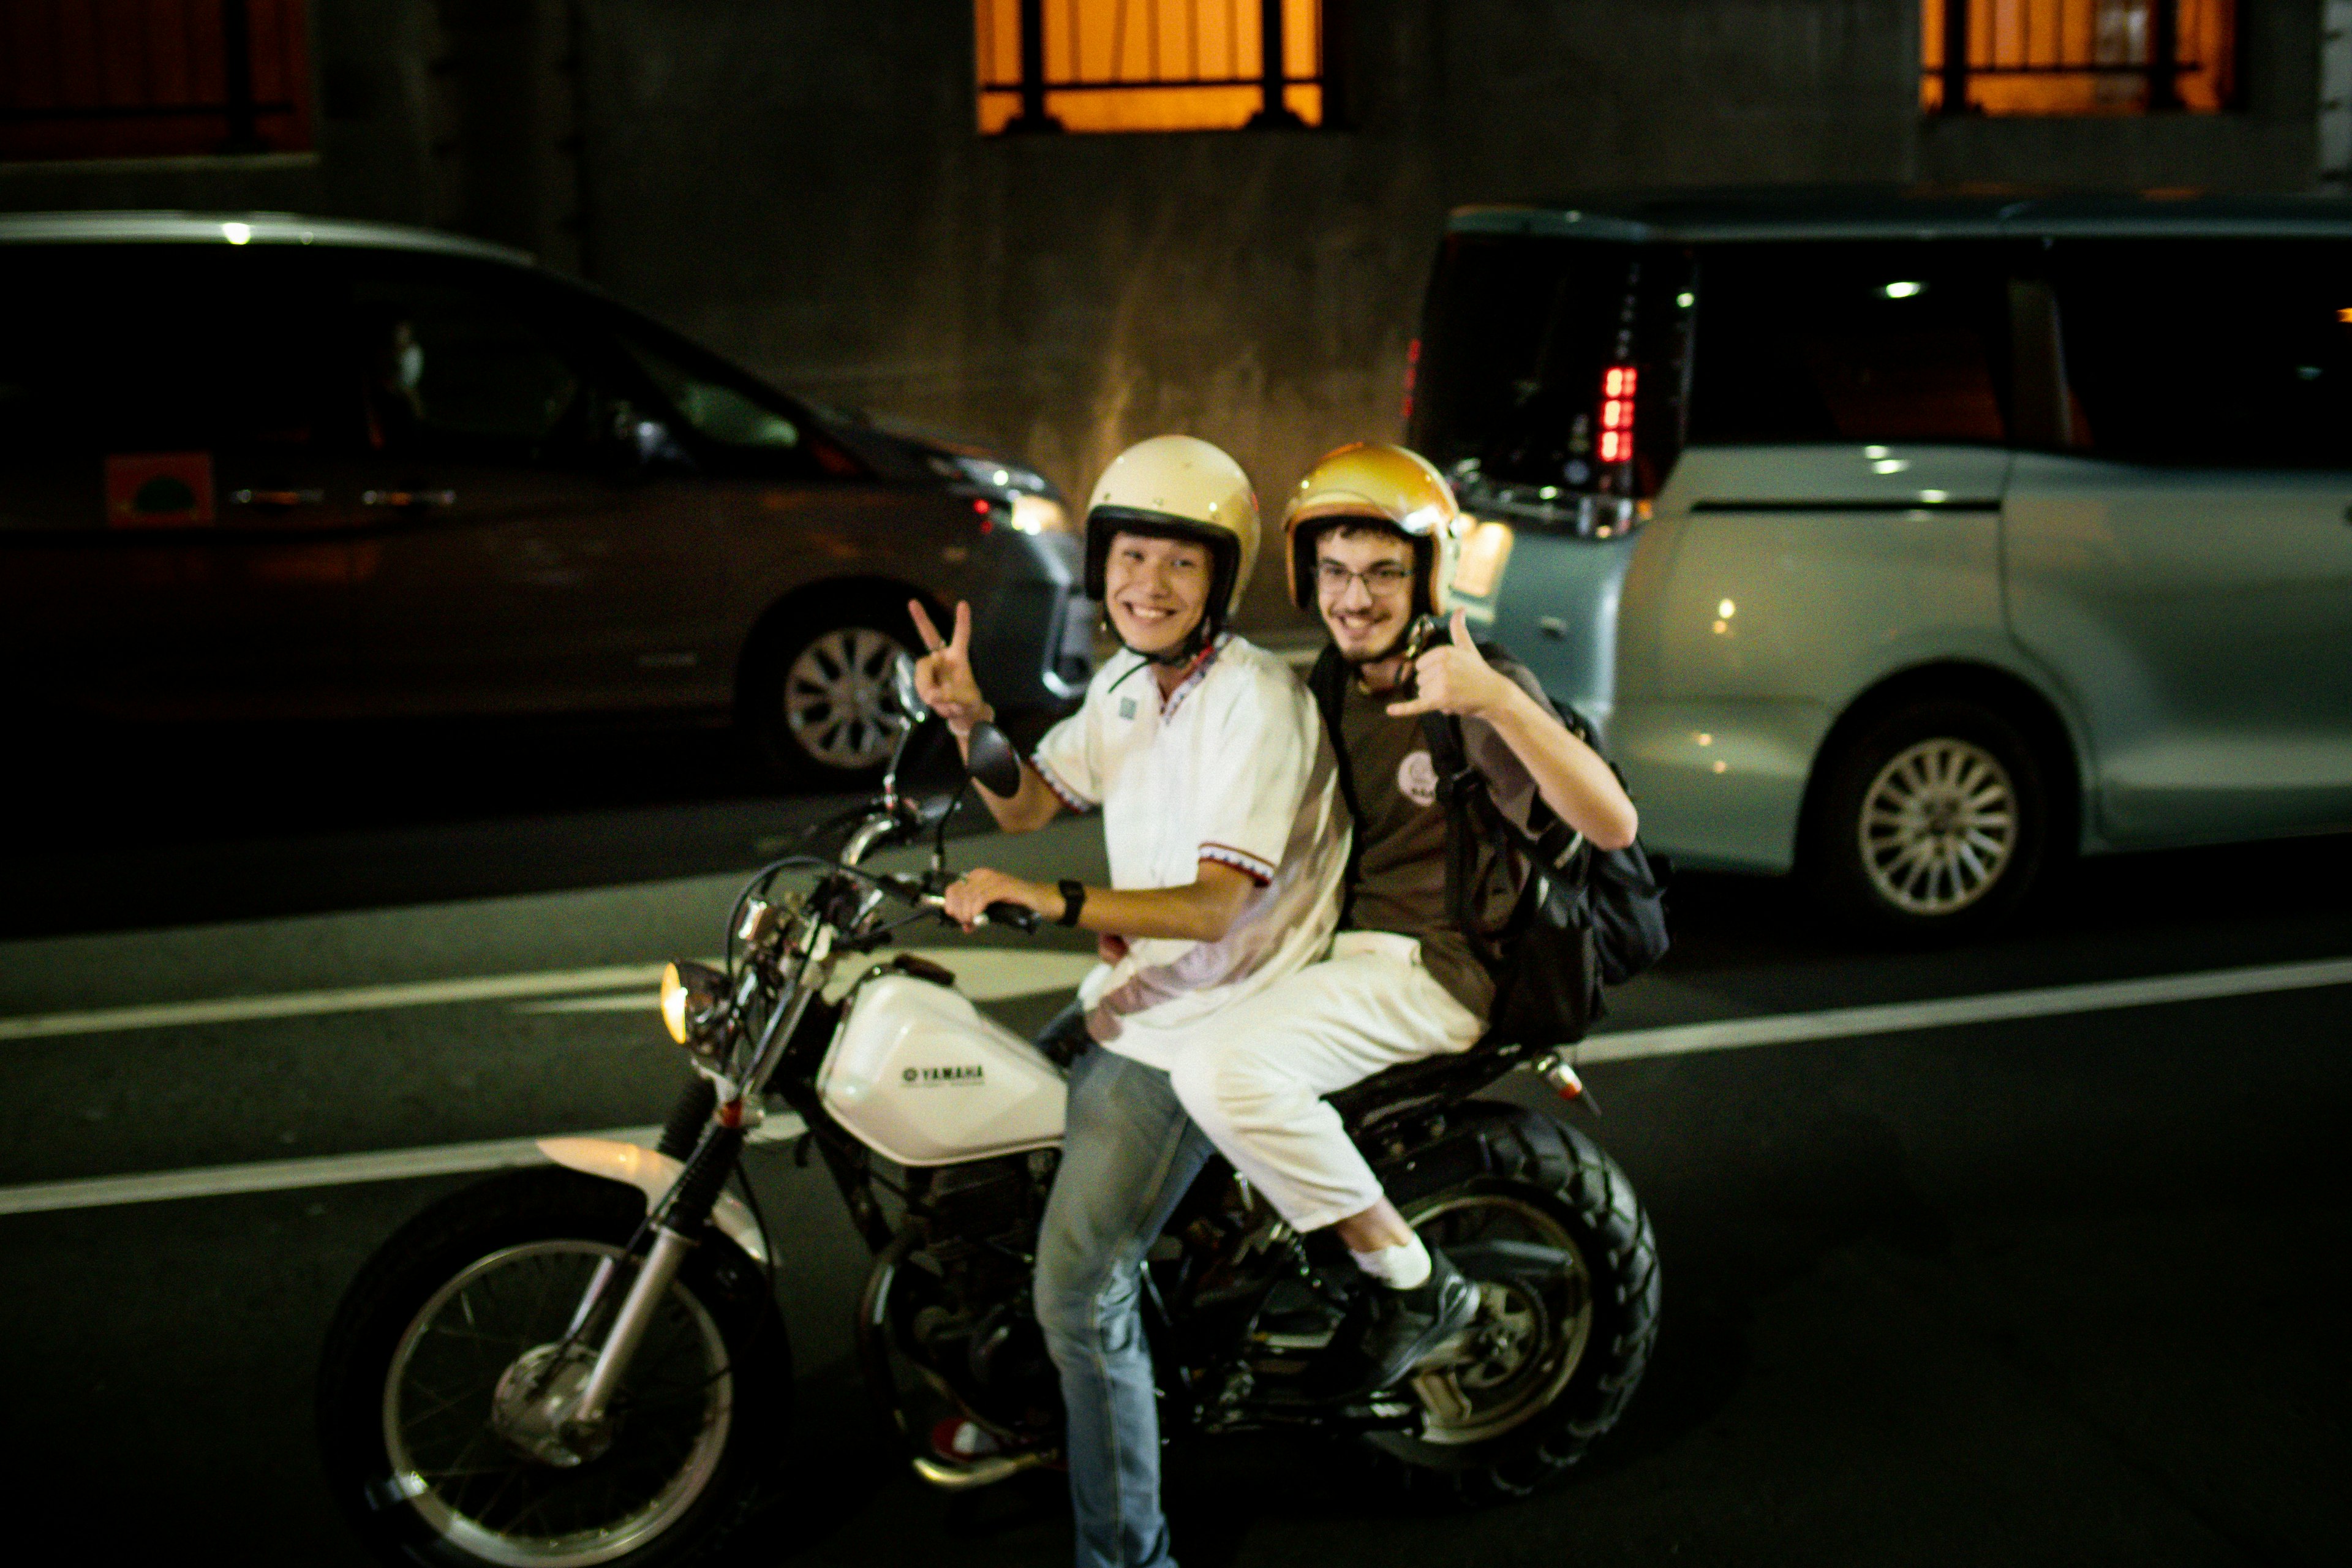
[(2061, 1287)]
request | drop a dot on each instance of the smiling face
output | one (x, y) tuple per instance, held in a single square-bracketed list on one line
[(1363, 585), (1156, 590)]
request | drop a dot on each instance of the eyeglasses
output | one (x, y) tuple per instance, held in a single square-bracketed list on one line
[(1380, 581)]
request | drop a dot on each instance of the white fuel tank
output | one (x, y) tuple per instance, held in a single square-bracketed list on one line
[(921, 1077)]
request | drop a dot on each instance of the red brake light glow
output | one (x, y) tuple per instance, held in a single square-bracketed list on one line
[(1412, 374), (1617, 383)]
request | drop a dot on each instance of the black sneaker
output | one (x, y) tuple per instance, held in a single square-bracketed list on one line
[(1403, 1326)]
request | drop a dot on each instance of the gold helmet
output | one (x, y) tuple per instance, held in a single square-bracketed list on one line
[(1383, 485), (1177, 487)]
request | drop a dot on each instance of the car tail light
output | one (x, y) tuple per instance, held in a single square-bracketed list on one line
[(1617, 388), (1412, 374)]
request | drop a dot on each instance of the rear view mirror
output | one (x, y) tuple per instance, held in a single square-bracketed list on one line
[(993, 761), (902, 686)]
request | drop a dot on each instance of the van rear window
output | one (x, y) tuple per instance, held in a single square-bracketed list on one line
[(1850, 341), (1532, 348)]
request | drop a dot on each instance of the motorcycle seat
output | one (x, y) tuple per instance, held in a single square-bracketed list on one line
[(1415, 1084)]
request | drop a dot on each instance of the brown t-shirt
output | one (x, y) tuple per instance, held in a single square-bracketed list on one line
[(1401, 839)]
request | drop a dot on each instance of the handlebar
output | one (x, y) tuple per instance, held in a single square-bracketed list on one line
[(1020, 917)]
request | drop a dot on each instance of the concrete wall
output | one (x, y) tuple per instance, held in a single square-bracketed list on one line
[(801, 184)]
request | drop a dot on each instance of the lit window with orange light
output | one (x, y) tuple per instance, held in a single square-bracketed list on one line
[(2078, 57), (1149, 65)]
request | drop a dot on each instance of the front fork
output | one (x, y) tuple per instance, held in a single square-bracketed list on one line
[(714, 1149)]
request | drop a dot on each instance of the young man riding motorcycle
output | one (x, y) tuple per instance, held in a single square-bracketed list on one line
[(1226, 846), (1369, 534)]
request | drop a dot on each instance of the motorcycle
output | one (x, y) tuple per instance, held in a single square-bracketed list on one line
[(584, 1364)]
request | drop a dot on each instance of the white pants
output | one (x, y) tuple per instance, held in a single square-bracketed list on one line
[(1255, 1083)]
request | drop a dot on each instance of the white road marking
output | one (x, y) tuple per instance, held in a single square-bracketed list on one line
[(1786, 1029), (307, 1004), (1897, 1017), (983, 973), (335, 1170), (635, 1000)]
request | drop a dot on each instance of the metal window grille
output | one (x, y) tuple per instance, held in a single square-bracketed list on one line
[(116, 78), (2078, 57), (1160, 64)]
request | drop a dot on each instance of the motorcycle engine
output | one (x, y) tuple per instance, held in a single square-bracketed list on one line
[(968, 1319)]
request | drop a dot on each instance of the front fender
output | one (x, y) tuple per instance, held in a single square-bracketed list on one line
[(653, 1174)]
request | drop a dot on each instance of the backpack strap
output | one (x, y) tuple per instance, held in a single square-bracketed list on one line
[(1328, 684), (1467, 805)]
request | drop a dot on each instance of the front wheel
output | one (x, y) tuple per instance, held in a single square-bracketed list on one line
[(425, 1388), (1567, 1271)]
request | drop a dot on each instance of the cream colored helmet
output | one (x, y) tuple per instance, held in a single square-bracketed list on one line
[(1384, 485), (1176, 487)]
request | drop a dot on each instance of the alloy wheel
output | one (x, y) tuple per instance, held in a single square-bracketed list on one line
[(838, 703), (1939, 826)]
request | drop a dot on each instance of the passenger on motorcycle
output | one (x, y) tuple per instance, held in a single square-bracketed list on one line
[(1226, 846), (1369, 534)]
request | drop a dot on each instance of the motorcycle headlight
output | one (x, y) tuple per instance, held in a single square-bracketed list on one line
[(693, 1003)]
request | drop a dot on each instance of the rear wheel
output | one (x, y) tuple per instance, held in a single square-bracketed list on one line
[(443, 1342), (816, 701), (1934, 820), (1567, 1271)]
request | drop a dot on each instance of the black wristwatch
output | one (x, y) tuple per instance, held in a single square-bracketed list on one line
[(1074, 899)]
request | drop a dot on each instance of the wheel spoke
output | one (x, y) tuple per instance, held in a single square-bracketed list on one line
[(668, 1444)]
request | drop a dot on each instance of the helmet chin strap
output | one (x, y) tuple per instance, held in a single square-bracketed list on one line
[(1191, 650), (1184, 652)]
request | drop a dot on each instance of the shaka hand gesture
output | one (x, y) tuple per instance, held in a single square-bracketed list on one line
[(1454, 678)]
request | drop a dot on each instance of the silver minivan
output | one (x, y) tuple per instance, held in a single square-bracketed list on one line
[(1909, 542)]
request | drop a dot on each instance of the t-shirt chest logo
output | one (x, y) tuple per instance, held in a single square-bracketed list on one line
[(1417, 778)]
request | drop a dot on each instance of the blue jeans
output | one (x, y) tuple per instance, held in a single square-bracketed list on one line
[(1128, 1156)]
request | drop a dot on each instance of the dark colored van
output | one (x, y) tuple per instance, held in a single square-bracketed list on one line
[(1911, 540), (267, 466)]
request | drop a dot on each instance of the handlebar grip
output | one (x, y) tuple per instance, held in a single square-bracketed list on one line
[(1020, 917)]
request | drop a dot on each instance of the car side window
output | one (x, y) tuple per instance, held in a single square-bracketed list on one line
[(444, 362), (2209, 351), (1834, 342), (717, 407)]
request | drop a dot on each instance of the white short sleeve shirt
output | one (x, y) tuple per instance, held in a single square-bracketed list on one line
[(1231, 767)]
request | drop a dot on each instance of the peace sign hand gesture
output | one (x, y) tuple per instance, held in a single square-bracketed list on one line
[(943, 677), (1455, 678)]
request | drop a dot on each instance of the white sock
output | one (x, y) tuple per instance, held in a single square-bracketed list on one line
[(1398, 1268)]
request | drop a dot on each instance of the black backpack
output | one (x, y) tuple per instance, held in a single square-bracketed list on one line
[(1582, 918)]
